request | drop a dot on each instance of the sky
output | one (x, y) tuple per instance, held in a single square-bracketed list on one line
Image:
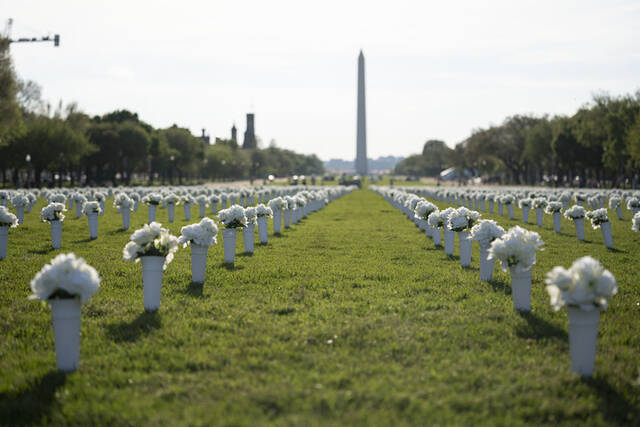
[(434, 70)]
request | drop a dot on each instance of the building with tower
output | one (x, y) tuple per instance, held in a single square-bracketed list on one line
[(249, 134), (234, 133)]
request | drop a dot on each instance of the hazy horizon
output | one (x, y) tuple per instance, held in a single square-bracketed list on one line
[(433, 71)]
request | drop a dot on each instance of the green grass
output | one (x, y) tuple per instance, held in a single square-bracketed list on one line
[(351, 317)]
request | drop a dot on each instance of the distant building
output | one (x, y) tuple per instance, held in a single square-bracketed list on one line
[(234, 133), (249, 134), (205, 137)]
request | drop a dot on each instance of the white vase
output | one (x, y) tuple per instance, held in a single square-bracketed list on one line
[(525, 214), (203, 209), (152, 281), (187, 211), (263, 229), (287, 218), (277, 221), (65, 317), (126, 218), (606, 234), (583, 334), (171, 211), (152, 210), (102, 207), (4, 241), (56, 234), (20, 214), (198, 262), (93, 225), (248, 235), (510, 209), (521, 289), (223, 204), (486, 265), (428, 230), (135, 205), (500, 209), (78, 210), (449, 237), (214, 208), (29, 206), (464, 240), (229, 243), (437, 236), (539, 213), (557, 222), (579, 223), (619, 212), (490, 206)]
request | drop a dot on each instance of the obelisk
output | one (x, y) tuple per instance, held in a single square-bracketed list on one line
[(361, 135)]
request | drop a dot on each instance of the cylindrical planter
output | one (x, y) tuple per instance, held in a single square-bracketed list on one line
[(428, 230), (277, 221), (93, 225), (4, 241), (437, 236), (56, 234), (65, 317), (465, 248), (619, 212), (29, 206), (187, 211), (101, 207), (20, 214), (203, 209), (287, 218), (198, 262), (606, 234), (126, 218), (152, 210), (78, 210), (223, 204), (579, 223), (525, 214), (486, 265), (152, 281), (500, 209), (248, 237), (557, 222), (490, 206), (583, 334), (449, 237), (171, 211), (539, 213), (263, 230), (521, 289), (214, 208), (135, 205), (229, 243), (510, 209)]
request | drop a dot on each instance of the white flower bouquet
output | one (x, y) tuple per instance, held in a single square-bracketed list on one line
[(214, 199), (67, 276), (525, 203), (575, 212), (99, 196), (633, 203), (170, 199), (462, 219), (188, 199), (79, 198), (485, 232), (597, 217), (586, 285), (435, 219), (202, 200), (516, 249), (251, 215), (57, 198), (553, 207), (152, 199), (151, 240), (539, 203), (122, 202), (424, 208), (7, 219), (91, 208), (53, 212), (507, 199), (203, 233), (291, 202), (19, 200), (233, 217), (277, 204), (263, 211)]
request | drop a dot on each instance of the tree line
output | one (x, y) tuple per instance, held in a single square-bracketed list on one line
[(41, 145), (599, 145)]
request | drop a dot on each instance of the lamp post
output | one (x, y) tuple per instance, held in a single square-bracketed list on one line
[(28, 160), (172, 158)]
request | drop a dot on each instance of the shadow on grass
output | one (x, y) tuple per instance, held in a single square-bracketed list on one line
[(500, 286), (30, 406), (262, 244), (145, 323), (118, 231), (42, 251), (279, 235), (194, 289), (88, 239), (538, 328), (231, 267), (616, 408), (245, 254), (616, 251)]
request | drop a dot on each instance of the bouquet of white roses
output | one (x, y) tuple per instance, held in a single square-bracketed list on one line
[(586, 285), (56, 198), (170, 199), (597, 217), (575, 212), (539, 203), (188, 198), (553, 207), (7, 219), (262, 210), (202, 200), (516, 248), (203, 233), (507, 199), (251, 215), (462, 219), (214, 199), (123, 202), (525, 203), (233, 217), (614, 202), (19, 200), (435, 219), (53, 212), (633, 203), (91, 208), (152, 199), (291, 202), (277, 204), (151, 240), (485, 232), (79, 198), (424, 208), (67, 276)]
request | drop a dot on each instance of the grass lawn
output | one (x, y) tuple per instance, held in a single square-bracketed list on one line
[(350, 317)]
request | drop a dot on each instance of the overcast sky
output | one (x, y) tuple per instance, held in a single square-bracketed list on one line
[(433, 69)]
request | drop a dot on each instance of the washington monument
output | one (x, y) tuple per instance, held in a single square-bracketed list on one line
[(361, 137)]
